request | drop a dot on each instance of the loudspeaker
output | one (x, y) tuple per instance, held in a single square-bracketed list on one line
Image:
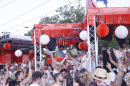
[(52, 44)]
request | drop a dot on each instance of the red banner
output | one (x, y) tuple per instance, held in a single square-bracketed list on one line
[(8, 59), (31, 54), (26, 58)]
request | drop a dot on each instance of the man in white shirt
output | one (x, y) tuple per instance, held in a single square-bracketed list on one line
[(82, 58), (12, 73), (89, 66)]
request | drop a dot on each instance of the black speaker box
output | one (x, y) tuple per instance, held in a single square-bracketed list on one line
[(52, 44)]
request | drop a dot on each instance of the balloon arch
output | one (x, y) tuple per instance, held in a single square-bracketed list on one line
[(68, 34)]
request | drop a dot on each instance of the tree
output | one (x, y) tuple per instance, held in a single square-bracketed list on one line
[(65, 14), (108, 44), (28, 33)]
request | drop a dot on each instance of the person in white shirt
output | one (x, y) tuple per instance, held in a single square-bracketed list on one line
[(82, 60), (12, 73)]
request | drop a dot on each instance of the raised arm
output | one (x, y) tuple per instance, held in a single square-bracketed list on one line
[(54, 60), (7, 74), (126, 46), (110, 58), (67, 55), (26, 80), (126, 59), (24, 70), (75, 60), (109, 67), (80, 65), (59, 63), (119, 77), (86, 61), (42, 82)]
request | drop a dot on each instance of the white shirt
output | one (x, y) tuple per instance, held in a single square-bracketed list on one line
[(48, 73), (34, 85), (83, 58), (88, 63), (10, 73)]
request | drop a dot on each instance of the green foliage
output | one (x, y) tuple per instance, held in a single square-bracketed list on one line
[(28, 33), (65, 14), (108, 44)]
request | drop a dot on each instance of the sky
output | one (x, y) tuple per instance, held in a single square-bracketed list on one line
[(15, 15)]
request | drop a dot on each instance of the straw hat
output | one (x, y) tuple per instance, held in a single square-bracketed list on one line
[(102, 75)]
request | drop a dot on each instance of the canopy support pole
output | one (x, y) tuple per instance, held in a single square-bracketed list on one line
[(37, 52), (92, 44)]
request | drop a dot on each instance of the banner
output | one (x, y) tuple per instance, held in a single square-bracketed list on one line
[(25, 59), (8, 59), (31, 54)]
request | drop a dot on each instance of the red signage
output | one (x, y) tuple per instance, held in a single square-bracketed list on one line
[(8, 59)]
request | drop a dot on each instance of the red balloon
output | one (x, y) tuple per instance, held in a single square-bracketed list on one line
[(36, 42), (6, 45), (102, 30), (82, 46), (48, 55), (86, 48)]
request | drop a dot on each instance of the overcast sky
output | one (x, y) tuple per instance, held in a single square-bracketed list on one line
[(20, 11)]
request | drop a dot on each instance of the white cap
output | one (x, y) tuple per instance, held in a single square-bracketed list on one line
[(11, 67), (24, 65), (16, 64)]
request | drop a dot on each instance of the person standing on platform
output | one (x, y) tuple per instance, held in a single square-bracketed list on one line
[(60, 52)]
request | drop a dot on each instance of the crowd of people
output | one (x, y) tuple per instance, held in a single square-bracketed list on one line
[(72, 71)]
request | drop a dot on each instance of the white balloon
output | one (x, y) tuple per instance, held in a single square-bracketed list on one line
[(44, 39), (48, 52), (121, 32), (83, 35), (74, 51), (18, 53)]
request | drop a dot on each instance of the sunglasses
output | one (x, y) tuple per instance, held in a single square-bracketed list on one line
[(62, 49)]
